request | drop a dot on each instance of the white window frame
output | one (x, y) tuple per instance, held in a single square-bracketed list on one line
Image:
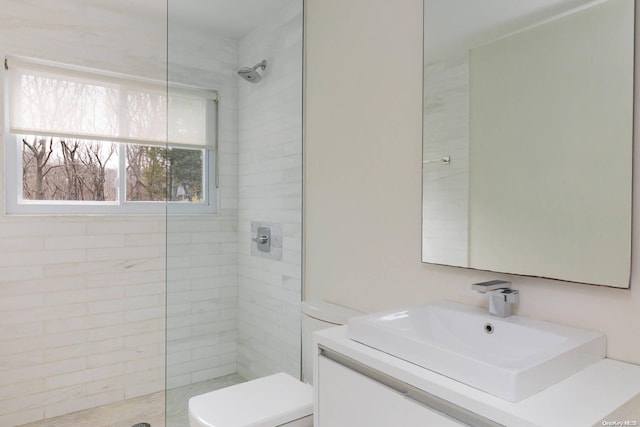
[(16, 204)]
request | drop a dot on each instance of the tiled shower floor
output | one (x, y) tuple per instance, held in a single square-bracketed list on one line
[(149, 409)]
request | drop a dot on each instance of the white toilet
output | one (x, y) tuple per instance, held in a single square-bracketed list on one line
[(276, 400)]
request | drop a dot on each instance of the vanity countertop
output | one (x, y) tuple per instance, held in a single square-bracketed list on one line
[(609, 390)]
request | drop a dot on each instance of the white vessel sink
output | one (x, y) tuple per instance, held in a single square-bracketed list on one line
[(511, 358)]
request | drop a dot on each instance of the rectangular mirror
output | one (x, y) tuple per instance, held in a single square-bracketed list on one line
[(528, 137)]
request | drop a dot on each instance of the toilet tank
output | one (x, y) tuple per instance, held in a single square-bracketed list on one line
[(317, 315)]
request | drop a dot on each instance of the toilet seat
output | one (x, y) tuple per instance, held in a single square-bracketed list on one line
[(266, 402)]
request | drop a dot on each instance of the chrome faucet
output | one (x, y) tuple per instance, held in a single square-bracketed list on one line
[(501, 296)]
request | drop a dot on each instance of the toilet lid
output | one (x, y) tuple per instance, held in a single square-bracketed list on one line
[(265, 402)]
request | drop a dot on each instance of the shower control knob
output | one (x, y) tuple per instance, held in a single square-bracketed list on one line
[(262, 239)]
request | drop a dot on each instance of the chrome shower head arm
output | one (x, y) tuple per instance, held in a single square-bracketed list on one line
[(251, 74)]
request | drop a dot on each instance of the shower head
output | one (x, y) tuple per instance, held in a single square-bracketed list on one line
[(251, 74)]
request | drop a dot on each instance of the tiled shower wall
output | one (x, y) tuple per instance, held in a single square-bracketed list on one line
[(445, 216), (270, 190), (202, 255), (82, 298)]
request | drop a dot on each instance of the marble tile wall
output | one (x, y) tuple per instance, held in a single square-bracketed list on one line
[(270, 190), (446, 187), (82, 298), (202, 260)]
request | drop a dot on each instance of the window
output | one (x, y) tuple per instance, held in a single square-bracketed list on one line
[(81, 141)]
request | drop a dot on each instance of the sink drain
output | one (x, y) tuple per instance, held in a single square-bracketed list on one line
[(141, 425), (488, 328)]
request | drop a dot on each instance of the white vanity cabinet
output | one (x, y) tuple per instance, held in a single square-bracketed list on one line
[(347, 398), (418, 415), (356, 385)]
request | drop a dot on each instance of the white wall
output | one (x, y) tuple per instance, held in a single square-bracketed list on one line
[(270, 190), (82, 298), (362, 176)]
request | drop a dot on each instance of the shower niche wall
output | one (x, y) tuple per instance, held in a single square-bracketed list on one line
[(233, 313)]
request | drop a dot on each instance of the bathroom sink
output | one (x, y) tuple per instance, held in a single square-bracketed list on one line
[(511, 358)]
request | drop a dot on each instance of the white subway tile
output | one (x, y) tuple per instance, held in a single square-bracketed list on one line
[(128, 253), (12, 274), (128, 227), (31, 287), (24, 330), (70, 405), (156, 312), (83, 241), (30, 372), (121, 356), (21, 417), (123, 330), (31, 228), (175, 381), (39, 258), (158, 239), (145, 388), (19, 360), (105, 385), (214, 372), (42, 313), (84, 376), (83, 349)]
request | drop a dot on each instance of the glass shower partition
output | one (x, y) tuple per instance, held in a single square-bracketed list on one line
[(233, 296), (82, 253)]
